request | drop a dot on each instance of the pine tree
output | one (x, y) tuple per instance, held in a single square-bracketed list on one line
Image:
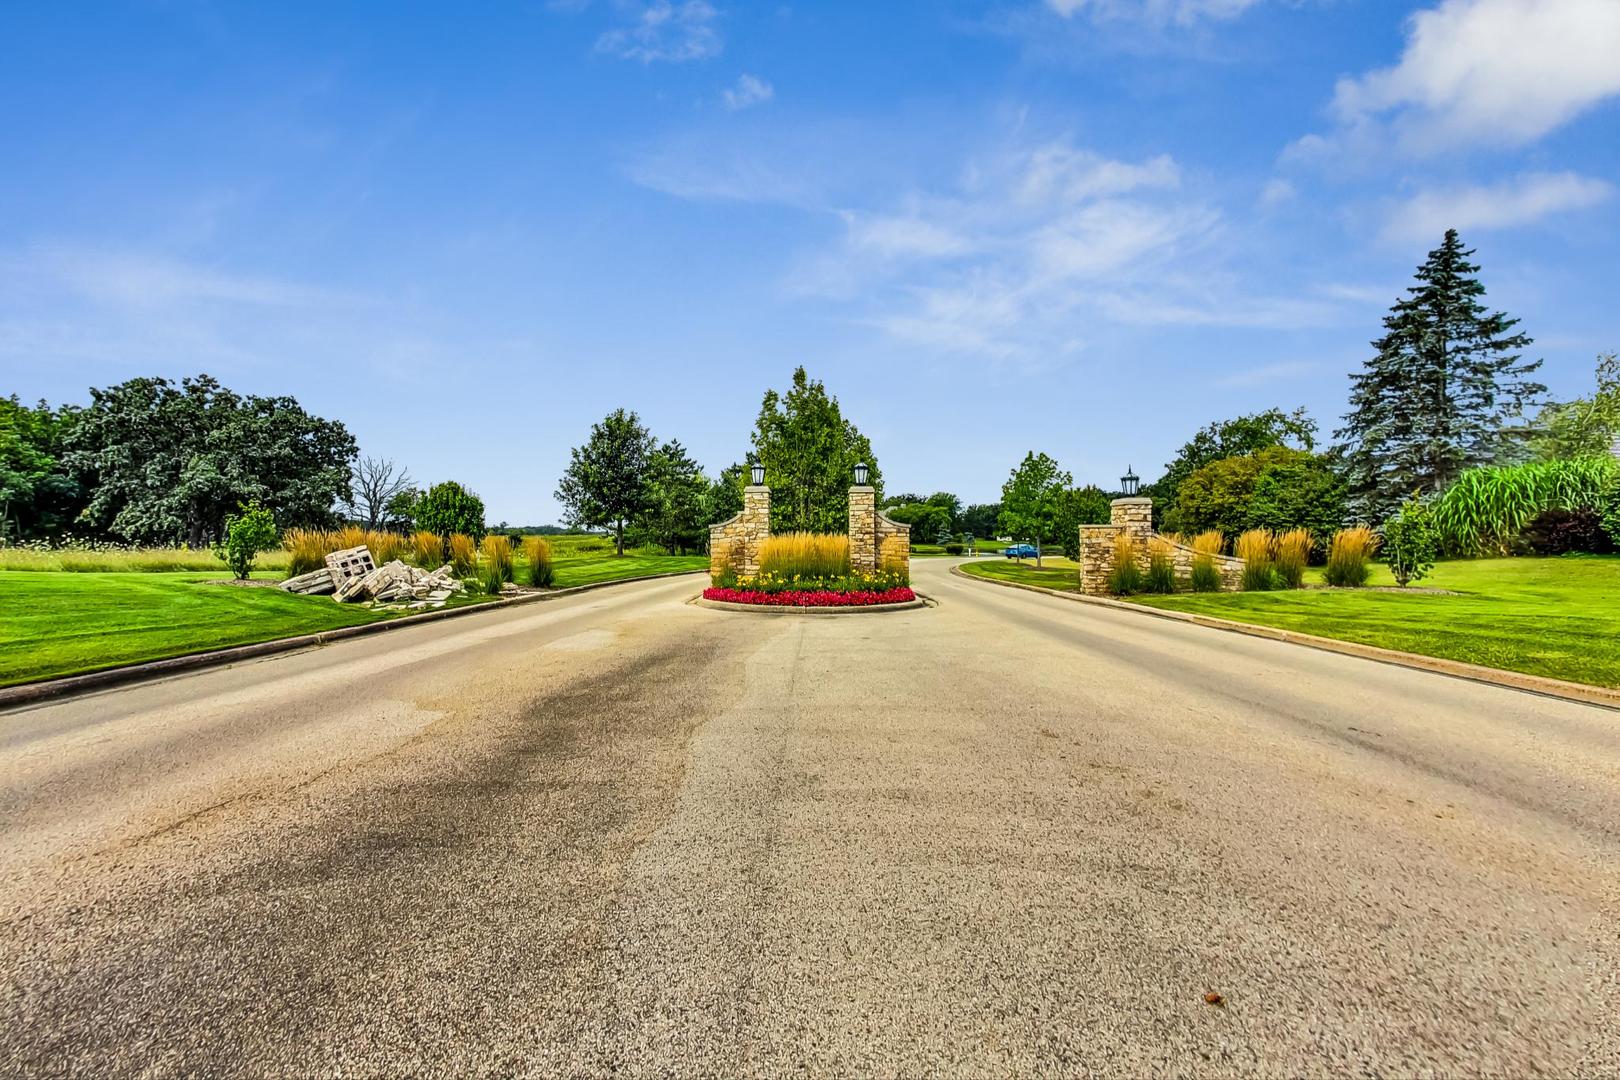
[(1439, 396)]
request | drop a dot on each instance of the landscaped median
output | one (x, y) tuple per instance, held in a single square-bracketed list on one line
[(812, 598), (1556, 618)]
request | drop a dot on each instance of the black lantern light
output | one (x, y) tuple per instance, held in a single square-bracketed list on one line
[(860, 474), (758, 472), (1130, 483)]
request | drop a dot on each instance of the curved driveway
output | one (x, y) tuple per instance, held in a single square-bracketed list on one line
[(618, 832)]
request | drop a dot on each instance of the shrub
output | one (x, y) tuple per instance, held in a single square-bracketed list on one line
[(427, 550), (450, 508), (1254, 548), (246, 534), (496, 568), (1293, 552), (1410, 542), (306, 550), (1348, 556), (1559, 532), (1487, 508), (1124, 575), (463, 554), (537, 552), (805, 555), (953, 548), (1161, 575), (1611, 511)]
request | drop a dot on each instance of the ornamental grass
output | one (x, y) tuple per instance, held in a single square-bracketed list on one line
[(306, 550), (537, 556), (495, 569), (1254, 547), (805, 556), (427, 550), (1349, 556), (1209, 542), (463, 555), (1124, 575), (1161, 574), (1293, 551)]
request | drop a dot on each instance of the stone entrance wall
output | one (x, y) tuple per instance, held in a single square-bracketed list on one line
[(872, 536), (1134, 516), (737, 539)]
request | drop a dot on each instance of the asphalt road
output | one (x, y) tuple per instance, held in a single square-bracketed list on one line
[(619, 832)]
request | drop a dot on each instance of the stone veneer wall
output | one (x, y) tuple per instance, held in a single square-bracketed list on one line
[(896, 531), (863, 541), (1135, 517), (738, 538)]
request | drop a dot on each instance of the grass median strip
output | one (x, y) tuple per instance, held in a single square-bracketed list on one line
[(1555, 617)]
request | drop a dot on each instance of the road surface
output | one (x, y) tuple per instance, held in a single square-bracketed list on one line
[(619, 832)]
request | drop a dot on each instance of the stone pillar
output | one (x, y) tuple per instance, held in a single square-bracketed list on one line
[(863, 554), (1135, 516), (1131, 516), (754, 528)]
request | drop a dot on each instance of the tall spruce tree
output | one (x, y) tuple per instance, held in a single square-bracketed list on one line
[(1440, 394)]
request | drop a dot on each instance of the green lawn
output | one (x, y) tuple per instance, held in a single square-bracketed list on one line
[(1056, 572), (1554, 617), (54, 623), (589, 569)]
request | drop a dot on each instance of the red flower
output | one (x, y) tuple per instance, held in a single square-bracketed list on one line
[(810, 598)]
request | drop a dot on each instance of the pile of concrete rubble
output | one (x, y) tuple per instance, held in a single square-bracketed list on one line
[(350, 576)]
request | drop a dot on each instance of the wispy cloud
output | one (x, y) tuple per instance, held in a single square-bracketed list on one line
[(1268, 373), (1478, 72), (1182, 12), (1523, 200), (750, 90), (663, 30)]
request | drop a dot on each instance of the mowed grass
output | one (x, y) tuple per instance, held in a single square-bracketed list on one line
[(595, 567), (1055, 571), (54, 623), (1557, 617)]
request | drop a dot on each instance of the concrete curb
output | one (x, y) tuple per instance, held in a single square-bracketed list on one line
[(1531, 684), (71, 685), (765, 609)]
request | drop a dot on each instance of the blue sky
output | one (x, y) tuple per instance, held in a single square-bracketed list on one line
[(1081, 226)]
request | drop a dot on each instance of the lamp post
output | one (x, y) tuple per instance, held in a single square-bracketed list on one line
[(860, 474), (758, 472), (1130, 483)]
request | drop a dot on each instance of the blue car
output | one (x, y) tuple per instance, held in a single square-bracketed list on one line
[(1020, 551)]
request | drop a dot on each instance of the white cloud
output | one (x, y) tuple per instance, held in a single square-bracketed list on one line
[(1267, 373), (749, 91), (663, 30), (1276, 192), (1521, 201), (1181, 12), (128, 279), (1494, 72)]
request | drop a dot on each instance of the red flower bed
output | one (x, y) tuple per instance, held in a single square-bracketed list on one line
[(814, 598)]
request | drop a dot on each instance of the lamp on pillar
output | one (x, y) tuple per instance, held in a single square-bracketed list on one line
[(860, 474), (1130, 483), (758, 472)]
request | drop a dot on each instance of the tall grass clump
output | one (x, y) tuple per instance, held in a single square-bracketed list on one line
[(495, 569), (1124, 574), (1161, 574), (463, 555), (805, 555), (1206, 545), (427, 550), (387, 546), (1349, 556), (537, 554), (306, 550), (1487, 508), (1254, 548), (1293, 551)]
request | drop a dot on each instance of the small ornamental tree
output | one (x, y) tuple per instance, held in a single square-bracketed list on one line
[(449, 508), (246, 534), (1411, 542)]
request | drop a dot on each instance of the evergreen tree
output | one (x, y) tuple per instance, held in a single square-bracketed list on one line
[(1442, 390)]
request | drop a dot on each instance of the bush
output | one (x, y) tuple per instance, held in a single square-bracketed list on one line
[(1410, 542), (954, 548), (496, 568), (1611, 511), (449, 508), (1254, 548), (1293, 552), (1276, 488), (1559, 532), (1348, 556), (537, 552), (246, 534), (427, 550), (1124, 576), (1487, 508), (804, 555), (1161, 574), (463, 554)]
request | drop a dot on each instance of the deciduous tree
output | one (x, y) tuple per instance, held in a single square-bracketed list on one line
[(809, 451), (605, 484), (1031, 499)]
